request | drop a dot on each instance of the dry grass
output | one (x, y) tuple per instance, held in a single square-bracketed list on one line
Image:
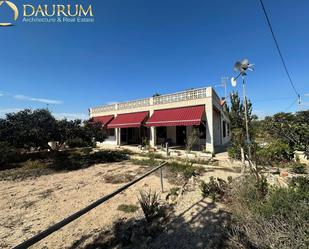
[(262, 224)]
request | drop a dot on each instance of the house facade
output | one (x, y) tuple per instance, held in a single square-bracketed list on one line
[(196, 114)]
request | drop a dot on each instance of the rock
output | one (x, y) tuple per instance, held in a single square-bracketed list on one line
[(170, 231), (284, 173)]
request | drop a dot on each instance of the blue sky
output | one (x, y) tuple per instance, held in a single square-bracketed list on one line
[(136, 48)]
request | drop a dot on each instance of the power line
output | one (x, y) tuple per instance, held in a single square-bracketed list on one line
[(279, 51)]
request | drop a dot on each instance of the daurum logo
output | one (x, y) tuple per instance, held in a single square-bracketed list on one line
[(57, 10), (15, 10)]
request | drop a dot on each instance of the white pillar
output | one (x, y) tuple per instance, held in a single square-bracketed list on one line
[(209, 126), (153, 132), (118, 136), (153, 136)]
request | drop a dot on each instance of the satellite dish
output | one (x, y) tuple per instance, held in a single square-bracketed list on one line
[(233, 81)]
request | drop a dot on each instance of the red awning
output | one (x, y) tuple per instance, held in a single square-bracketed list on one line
[(184, 116), (128, 120), (104, 120)]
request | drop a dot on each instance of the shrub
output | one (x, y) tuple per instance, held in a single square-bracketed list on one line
[(108, 156), (215, 188), (272, 219), (30, 164), (8, 154), (234, 152), (186, 169), (274, 153), (149, 202), (298, 168), (77, 143), (127, 208)]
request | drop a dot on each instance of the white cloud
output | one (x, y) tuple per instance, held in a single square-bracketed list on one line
[(41, 100), (3, 93), (306, 94), (9, 110), (70, 116)]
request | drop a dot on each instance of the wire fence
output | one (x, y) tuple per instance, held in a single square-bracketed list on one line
[(33, 240)]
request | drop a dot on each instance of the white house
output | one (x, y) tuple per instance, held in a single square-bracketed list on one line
[(167, 118)]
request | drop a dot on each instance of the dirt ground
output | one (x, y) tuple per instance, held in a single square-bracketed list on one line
[(31, 205)]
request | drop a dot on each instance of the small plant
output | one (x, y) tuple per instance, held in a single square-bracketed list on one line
[(186, 169), (127, 208), (192, 140), (214, 188), (262, 187), (174, 191), (33, 164), (149, 202), (299, 168), (145, 142), (229, 179)]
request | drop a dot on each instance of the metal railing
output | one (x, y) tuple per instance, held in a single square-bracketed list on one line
[(33, 240)]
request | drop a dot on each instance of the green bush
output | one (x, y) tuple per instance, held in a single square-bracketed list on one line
[(8, 155), (274, 153), (77, 143), (298, 168), (234, 152), (186, 169), (108, 156), (215, 188)]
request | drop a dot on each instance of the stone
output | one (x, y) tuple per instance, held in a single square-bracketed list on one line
[(284, 173)]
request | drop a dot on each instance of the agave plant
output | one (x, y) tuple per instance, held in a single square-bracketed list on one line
[(149, 202)]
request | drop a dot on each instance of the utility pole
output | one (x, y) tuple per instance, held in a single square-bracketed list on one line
[(242, 67), (248, 142), (299, 103), (223, 84)]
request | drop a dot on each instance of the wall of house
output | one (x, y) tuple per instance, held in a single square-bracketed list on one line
[(217, 128)]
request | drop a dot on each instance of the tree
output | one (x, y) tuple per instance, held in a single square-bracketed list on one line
[(28, 129), (292, 129), (238, 125)]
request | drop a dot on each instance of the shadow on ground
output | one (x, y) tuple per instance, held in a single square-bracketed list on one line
[(202, 225)]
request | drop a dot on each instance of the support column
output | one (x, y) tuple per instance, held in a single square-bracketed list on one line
[(153, 136), (209, 126), (118, 136)]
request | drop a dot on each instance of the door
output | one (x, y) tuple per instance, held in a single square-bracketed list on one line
[(181, 135)]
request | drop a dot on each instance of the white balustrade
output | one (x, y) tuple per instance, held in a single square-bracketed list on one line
[(188, 95)]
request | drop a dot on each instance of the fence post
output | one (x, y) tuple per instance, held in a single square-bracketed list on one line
[(161, 178)]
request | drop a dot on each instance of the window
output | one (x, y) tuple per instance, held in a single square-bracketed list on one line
[(228, 130), (224, 128), (202, 130)]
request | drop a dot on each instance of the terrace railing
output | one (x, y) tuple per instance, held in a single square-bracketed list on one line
[(198, 93)]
